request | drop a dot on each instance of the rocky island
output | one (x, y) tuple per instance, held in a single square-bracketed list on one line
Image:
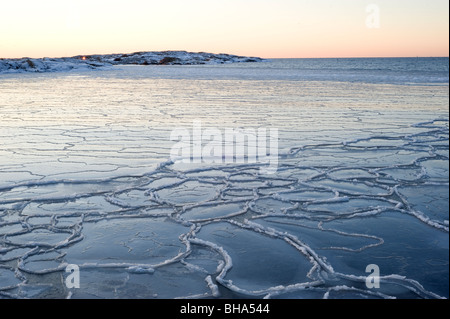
[(137, 58)]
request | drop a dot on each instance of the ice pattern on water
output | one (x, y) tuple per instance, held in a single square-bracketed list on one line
[(314, 233), (100, 193)]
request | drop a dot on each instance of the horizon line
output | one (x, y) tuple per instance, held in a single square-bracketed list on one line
[(266, 58), (363, 57)]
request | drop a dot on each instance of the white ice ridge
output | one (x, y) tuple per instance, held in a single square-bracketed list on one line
[(214, 288), (173, 227), (138, 58)]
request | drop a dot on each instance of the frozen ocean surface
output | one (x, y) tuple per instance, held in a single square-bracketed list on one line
[(86, 178)]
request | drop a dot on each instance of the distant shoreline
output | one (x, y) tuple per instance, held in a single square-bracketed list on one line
[(78, 62)]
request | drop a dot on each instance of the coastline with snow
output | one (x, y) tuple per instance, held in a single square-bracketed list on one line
[(87, 62)]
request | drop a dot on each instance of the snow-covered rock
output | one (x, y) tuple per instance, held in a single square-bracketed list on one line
[(137, 58)]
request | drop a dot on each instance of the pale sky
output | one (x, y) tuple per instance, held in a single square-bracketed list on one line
[(265, 28)]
